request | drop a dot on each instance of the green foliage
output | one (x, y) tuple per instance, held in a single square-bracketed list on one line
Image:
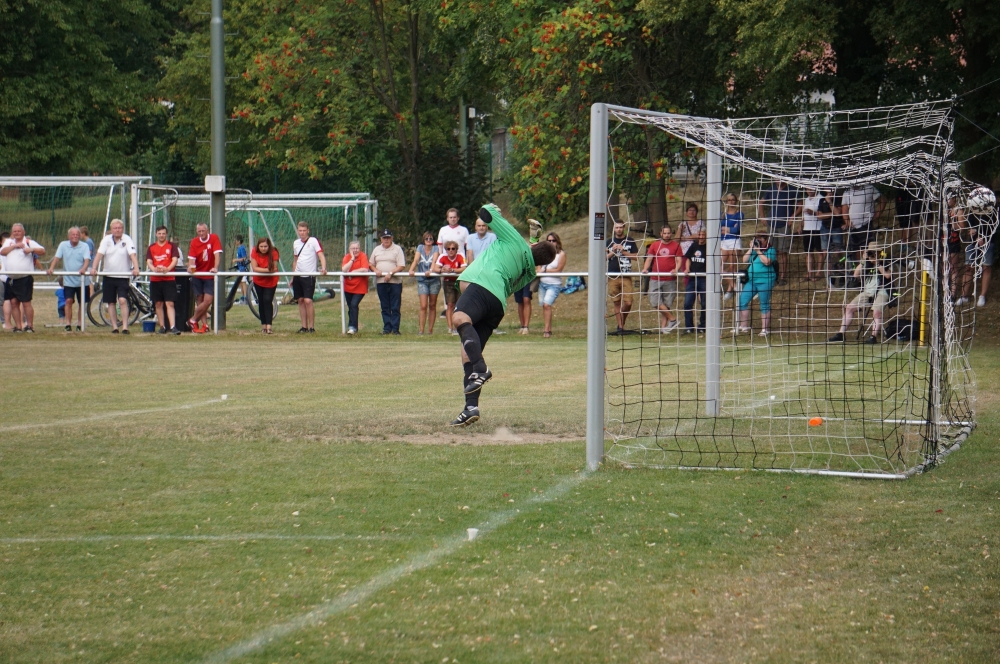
[(77, 84)]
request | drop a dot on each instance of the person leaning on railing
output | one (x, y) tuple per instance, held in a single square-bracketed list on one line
[(355, 288), (118, 253), (264, 261), (21, 252), (386, 260)]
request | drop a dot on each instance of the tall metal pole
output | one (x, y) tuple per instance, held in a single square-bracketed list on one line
[(597, 291), (713, 284), (218, 213)]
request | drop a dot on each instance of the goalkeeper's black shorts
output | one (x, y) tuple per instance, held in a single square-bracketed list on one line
[(483, 307)]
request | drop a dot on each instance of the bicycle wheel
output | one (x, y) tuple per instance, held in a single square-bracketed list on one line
[(254, 306), (95, 306), (231, 298)]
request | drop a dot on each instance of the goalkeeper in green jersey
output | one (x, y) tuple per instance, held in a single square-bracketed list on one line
[(506, 266)]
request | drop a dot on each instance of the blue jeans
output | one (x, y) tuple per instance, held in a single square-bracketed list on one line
[(390, 296), (695, 289), (353, 300)]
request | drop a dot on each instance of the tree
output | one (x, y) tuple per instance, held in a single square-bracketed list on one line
[(77, 84)]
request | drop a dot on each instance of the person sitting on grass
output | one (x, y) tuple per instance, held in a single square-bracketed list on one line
[(761, 262), (506, 266), (875, 292)]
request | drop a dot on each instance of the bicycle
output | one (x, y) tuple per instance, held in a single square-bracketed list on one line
[(252, 302), (140, 306)]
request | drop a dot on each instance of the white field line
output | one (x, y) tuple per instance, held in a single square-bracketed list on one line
[(353, 597), (106, 416), (237, 537)]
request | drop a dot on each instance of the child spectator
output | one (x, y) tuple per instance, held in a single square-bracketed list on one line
[(450, 263), (242, 264), (696, 257), (355, 288), (428, 285)]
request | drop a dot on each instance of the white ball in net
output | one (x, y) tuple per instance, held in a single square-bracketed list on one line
[(981, 200)]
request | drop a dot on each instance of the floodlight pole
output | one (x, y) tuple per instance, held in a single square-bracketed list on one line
[(597, 290), (218, 190), (713, 283)]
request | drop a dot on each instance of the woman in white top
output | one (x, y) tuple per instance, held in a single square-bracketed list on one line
[(550, 287), (690, 227), (812, 233)]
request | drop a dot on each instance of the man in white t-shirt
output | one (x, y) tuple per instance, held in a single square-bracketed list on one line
[(861, 204), (118, 252), (453, 232), (307, 255), (20, 252), (812, 233)]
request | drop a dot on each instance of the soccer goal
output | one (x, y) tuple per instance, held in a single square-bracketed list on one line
[(830, 329), (48, 207), (335, 219)]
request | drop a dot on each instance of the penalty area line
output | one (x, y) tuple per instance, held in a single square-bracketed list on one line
[(355, 596), (237, 537), (107, 416)]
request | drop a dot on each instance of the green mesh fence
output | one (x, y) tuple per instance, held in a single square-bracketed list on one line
[(47, 213), (334, 223)]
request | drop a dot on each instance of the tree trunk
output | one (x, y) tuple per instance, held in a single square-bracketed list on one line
[(413, 19)]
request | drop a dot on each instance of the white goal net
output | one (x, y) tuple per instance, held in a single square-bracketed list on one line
[(810, 307)]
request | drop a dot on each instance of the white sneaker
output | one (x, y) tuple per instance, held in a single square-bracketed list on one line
[(351, 330), (763, 333), (981, 302), (744, 330), (671, 326), (728, 296), (961, 301)]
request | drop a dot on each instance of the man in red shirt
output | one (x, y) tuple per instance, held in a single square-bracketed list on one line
[(162, 257), (664, 255), (204, 255)]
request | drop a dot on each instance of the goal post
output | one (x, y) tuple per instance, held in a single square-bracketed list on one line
[(843, 350)]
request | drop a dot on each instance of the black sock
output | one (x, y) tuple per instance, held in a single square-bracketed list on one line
[(472, 346), (471, 400)]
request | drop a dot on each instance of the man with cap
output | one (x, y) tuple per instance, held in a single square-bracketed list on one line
[(386, 260), (504, 267), (877, 278)]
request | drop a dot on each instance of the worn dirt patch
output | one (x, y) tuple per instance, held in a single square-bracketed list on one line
[(502, 436)]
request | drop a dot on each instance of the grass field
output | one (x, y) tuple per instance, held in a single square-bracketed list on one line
[(319, 513)]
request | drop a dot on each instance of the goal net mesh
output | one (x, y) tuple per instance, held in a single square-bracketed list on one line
[(849, 250)]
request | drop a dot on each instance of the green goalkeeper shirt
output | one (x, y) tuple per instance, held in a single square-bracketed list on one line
[(506, 266)]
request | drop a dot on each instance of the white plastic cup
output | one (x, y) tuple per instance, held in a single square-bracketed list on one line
[(473, 533)]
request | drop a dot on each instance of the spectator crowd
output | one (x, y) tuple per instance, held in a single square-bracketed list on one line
[(837, 231)]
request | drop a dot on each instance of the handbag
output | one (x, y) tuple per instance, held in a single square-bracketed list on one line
[(744, 277)]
